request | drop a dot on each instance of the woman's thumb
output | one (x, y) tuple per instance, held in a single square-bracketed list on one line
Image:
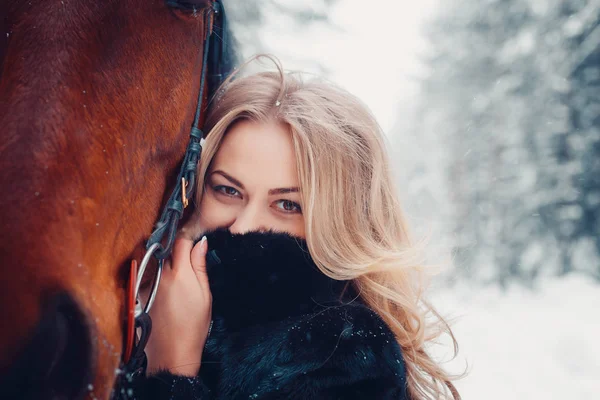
[(198, 259)]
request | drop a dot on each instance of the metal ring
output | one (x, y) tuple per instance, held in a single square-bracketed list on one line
[(151, 250), (154, 286)]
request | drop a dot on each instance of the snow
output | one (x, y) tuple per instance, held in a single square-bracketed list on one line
[(522, 343)]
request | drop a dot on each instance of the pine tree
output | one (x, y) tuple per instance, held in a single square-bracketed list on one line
[(503, 101)]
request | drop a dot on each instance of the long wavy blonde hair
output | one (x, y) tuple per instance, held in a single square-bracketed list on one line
[(355, 228)]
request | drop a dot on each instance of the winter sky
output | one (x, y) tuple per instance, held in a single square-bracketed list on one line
[(372, 49)]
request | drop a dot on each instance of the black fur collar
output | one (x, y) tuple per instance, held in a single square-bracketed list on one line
[(266, 277)]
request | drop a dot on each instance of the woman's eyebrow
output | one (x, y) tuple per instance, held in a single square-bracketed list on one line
[(284, 190), (229, 178)]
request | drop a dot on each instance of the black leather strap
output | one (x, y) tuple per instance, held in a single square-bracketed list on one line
[(166, 227)]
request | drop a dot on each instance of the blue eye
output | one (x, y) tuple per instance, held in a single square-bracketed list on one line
[(226, 190), (288, 206)]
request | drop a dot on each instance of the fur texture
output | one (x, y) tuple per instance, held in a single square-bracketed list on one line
[(284, 330)]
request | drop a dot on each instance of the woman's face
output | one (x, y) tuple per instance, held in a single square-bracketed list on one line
[(252, 183)]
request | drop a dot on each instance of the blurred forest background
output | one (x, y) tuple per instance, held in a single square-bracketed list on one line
[(492, 110), (513, 98)]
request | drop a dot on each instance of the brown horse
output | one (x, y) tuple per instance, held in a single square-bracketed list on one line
[(96, 103)]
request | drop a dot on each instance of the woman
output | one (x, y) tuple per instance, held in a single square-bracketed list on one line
[(305, 284)]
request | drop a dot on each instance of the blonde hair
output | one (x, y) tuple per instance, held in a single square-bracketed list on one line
[(354, 224)]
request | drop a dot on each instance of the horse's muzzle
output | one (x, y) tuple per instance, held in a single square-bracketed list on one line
[(57, 361)]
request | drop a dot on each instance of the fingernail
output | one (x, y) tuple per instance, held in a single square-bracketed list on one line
[(203, 244)]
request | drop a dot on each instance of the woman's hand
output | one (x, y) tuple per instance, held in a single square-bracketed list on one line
[(181, 314)]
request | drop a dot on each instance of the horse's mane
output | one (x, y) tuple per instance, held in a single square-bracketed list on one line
[(226, 51), (231, 55)]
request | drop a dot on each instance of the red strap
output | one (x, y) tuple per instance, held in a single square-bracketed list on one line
[(130, 312)]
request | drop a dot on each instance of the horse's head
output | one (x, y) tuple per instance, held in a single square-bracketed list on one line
[(96, 102)]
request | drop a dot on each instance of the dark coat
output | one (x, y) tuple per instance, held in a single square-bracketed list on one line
[(284, 330)]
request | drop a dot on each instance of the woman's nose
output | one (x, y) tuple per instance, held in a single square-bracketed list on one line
[(248, 220)]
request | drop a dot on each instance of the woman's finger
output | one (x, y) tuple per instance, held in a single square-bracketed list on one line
[(198, 259), (181, 253)]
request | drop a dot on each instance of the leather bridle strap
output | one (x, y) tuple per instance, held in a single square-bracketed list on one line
[(162, 238), (173, 211)]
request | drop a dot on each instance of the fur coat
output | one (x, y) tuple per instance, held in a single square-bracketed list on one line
[(284, 330)]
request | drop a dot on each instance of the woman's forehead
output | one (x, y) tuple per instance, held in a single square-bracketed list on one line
[(259, 152)]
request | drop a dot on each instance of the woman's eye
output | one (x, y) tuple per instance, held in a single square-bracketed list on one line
[(289, 206), (227, 190)]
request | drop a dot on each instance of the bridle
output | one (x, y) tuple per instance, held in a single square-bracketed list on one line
[(160, 243)]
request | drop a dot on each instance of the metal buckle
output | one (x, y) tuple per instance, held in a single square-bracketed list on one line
[(184, 198)]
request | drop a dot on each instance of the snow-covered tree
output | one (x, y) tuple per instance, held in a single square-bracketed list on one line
[(511, 101), (249, 18)]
